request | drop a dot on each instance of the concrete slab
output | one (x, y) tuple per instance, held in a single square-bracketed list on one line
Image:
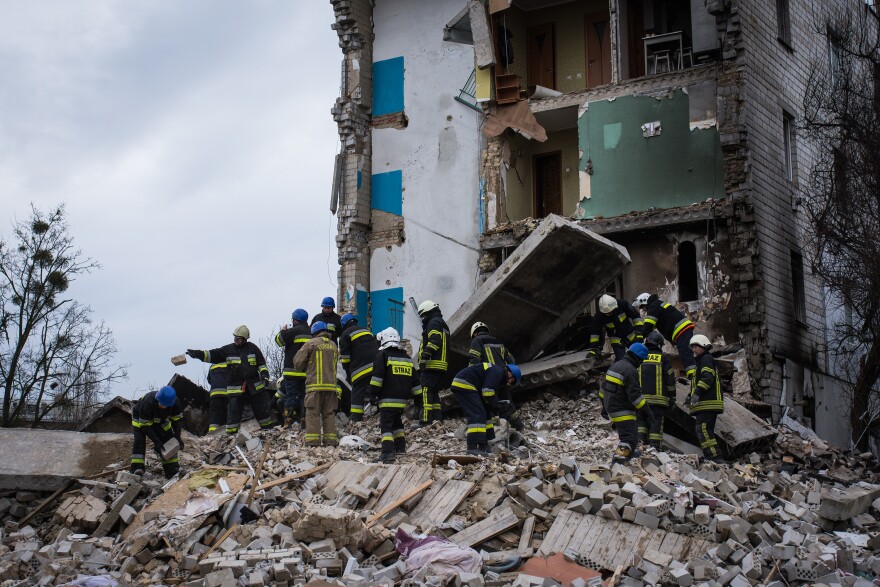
[(45, 459), (554, 369), (551, 277)]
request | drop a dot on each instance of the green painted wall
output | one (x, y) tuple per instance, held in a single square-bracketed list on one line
[(630, 172), (520, 199)]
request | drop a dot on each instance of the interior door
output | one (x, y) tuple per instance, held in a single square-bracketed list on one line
[(541, 55), (548, 184), (597, 27)]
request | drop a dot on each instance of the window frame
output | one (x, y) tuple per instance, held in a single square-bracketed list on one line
[(783, 23), (788, 146)]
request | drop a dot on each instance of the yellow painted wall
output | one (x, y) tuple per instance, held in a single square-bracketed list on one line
[(519, 189)]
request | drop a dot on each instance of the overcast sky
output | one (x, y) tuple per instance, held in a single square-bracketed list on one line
[(193, 146)]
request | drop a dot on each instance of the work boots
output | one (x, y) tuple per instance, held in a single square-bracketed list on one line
[(386, 457), (400, 445), (477, 450)]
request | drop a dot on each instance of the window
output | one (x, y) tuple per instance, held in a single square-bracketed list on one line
[(834, 58), (783, 22), (797, 284), (839, 178), (688, 289), (788, 144)]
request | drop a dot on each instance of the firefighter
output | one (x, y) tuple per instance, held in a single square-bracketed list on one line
[(672, 324), (156, 416), (432, 362), (658, 386), (317, 359), (394, 379), (620, 321), (622, 399), (357, 350), (247, 375), (218, 381), (485, 348), (705, 398), (293, 383), (328, 316), (477, 389)]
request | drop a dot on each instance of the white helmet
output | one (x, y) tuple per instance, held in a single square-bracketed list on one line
[(702, 341), (242, 331), (427, 306), (607, 304), (642, 300), (477, 326), (388, 337)]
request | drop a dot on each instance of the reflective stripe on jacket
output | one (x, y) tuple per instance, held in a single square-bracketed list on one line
[(620, 392)]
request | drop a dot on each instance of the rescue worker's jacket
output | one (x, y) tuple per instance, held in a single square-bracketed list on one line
[(657, 378), (333, 322), (706, 387), (292, 339), (486, 379), (148, 416), (435, 336), (621, 393), (357, 350), (623, 326), (218, 379), (666, 318), (317, 359), (394, 377), (244, 363), (485, 348)]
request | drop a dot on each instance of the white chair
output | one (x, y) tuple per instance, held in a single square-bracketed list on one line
[(661, 61), (687, 58)]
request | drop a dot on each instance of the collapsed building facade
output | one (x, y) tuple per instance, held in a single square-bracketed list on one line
[(666, 126)]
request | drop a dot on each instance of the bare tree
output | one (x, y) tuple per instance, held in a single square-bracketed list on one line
[(842, 118), (53, 357), (274, 355)]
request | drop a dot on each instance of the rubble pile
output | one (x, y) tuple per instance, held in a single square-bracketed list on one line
[(548, 508)]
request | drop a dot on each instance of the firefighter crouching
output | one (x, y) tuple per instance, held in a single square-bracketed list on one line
[(477, 389), (393, 379), (157, 416), (622, 399)]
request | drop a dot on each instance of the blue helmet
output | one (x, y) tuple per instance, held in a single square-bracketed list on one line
[(300, 314), (346, 318), (639, 350), (328, 302), (517, 372), (319, 326), (166, 396)]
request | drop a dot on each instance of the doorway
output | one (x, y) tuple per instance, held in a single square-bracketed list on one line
[(597, 31), (541, 55), (548, 184)]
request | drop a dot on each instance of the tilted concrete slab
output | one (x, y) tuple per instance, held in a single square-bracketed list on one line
[(44, 459), (554, 369), (551, 277)]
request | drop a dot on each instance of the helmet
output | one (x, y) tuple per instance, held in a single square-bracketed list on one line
[(642, 300), (166, 396), (639, 350), (388, 337), (242, 331), (607, 304), (655, 338), (346, 318), (427, 306), (701, 340), (300, 315), (478, 326), (318, 327), (328, 302), (517, 372)]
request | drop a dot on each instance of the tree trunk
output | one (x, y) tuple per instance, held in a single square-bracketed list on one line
[(868, 375)]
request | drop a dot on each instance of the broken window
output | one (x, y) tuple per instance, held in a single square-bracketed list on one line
[(783, 23), (834, 53), (788, 144), (798, 291), (688, 283)]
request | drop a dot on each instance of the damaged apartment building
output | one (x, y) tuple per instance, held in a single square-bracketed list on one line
[(665, 126)]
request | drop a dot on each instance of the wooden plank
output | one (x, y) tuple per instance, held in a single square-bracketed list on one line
[(219, 540), (627, 547), (23, 522), (343, 473), (113, 516), (607, 543), (554, 534), (582, 533), (525, 538), (296, 476), (500, 520), (589, 542), (440, 501), (259, 473), (405, 478), (399, 501), (568, 531)]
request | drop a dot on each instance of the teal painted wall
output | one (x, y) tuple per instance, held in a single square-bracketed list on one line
[(630, 172)]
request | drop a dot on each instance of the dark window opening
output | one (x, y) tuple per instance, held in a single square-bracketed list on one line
[(840, 178), (797, 283), (783, 22), (688, 284), (788, 144)]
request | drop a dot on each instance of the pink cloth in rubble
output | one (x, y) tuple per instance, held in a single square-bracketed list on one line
[(446, 557)]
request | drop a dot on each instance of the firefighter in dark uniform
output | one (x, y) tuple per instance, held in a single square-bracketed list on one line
[(672, 324), (432, 362), (393, 378), (620, 321), (658, 386), (248, 376), (622, 399), (219, 383), (293, 383), (329, 317), (357, 350), (485, 348), (705, 399), (156, 416), (477, 388)]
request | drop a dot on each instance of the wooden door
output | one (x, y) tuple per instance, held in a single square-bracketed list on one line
[(597, 31), (541, 55), (548, 184)]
